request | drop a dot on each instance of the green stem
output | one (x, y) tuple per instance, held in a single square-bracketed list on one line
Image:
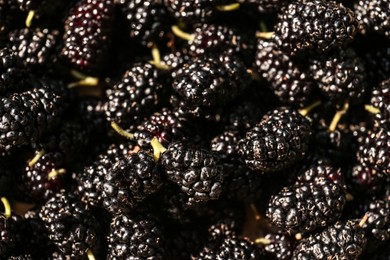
[(54, 173), (181, 34), (157, 59), (372, 109), (36, 158), (158, 148), (228, 8), (30, 17), (7, 207), (306, 110), (262, 241), (265, 35), (121, 131), (90, 255), (339, 114)]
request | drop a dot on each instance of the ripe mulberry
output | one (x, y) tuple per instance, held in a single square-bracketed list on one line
[(315, 26), (196, 171), (278, 141)]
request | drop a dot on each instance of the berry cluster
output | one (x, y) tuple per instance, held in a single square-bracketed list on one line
[(194, 129)]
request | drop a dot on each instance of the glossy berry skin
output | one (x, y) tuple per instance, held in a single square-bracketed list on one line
[(279, 140), (13, 74), (147, 20), (191, 11), (378, 222), (290, 82), (135, 237), (343, 240), (364, 180), (380, 99), (87, 34), (315, 26), (213, 39), (304, 207), (134, 96), (35, 47), (11, 237), (70, 225), (373, 16), (91, 179), (374, 151), (196, 171), (281, 246), (240, 183), (28, 115), (340, 76), (167, 125), (129, 182), (225, 244), (37, 183), (202, 85)]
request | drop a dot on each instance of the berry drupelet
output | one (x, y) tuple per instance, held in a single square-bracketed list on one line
[(340, 76), (235, 66), (167, 125), (363, 180), (374, 152), (11, 235), (225, 144), (135, 96), (42, 180), (28, 115), (279, 246), (373, 16), (87, 34), (315, 25), (35, 47), (225, 244), (147, 20), (211, 38), (176, 59), (192, 10), (91, 178), (135, 236), (288, 79), (278, 141), (343, 240), (129, 182), (380, 99), (202, 85), (304, 207), (71, 227), (197, 171), (240, 183), (13, 74), (378, 222), (319, 170)]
